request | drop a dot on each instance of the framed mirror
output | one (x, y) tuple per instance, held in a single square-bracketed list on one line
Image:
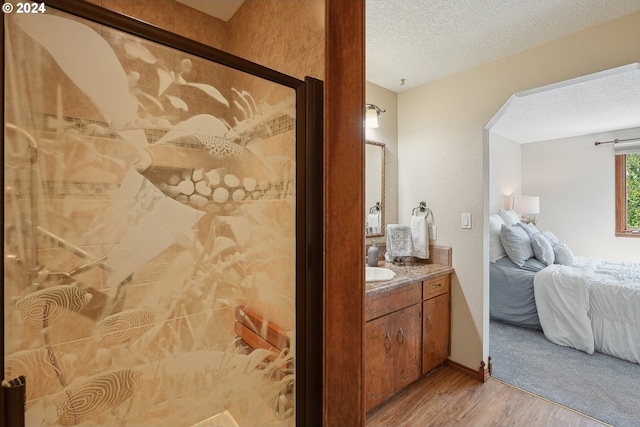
[(374, 189)]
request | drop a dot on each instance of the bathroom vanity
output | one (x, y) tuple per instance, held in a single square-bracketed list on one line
[(407, 327)]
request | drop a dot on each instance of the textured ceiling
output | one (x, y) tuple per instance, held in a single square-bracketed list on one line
[(600, 102), (424, 40)]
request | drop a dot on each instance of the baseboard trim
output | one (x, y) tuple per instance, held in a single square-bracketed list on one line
[(482, 374)]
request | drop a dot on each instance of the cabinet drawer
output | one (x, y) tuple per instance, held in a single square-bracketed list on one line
[(436, 286), (388, 302)]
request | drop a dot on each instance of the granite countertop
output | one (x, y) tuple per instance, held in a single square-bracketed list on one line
[(406, 274)]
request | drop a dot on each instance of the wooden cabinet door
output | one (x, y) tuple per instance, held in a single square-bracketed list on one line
[(392, 349), (405, 331), (436, 328), (378, 351)]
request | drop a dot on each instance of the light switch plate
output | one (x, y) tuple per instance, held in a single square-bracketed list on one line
[(466, 220)]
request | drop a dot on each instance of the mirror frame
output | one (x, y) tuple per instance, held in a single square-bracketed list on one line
[(382, 189)]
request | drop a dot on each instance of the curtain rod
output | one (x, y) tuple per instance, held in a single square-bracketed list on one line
[(615, 141)]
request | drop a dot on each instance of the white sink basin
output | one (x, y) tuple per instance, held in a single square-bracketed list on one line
[(378, 274)]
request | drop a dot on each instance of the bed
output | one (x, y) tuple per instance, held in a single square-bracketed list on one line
[(511, 297), (587, 303)]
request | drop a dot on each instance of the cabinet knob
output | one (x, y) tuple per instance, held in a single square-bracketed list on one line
[(400, 336), (430, 323)]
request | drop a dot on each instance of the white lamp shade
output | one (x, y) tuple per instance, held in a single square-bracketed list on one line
[(371, 118), (526, 204)]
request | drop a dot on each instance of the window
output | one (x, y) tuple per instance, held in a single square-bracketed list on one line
[(628, 194)]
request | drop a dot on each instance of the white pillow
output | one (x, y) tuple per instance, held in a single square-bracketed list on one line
[(563, 254), (516, 244), (542, 249), (551, 237), (509, 217), (529, 228), (496, 250)]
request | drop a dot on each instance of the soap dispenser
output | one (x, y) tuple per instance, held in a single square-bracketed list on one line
[(372, 255)]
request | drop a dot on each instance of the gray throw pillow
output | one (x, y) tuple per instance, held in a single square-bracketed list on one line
[(516, 244), (542, 249)]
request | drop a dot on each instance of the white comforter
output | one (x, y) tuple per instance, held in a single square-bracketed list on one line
[(592, 305)]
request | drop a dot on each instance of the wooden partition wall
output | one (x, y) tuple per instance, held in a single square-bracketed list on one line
[(344, 204)]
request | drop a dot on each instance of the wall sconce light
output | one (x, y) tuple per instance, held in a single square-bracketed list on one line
[(371, 115), (528, 207)]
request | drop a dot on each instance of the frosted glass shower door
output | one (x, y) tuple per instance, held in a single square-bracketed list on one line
[(155, 227)]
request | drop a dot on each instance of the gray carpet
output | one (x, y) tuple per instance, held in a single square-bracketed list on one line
[(603, 387)]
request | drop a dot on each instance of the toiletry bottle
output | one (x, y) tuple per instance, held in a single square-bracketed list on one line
[(372, 255)]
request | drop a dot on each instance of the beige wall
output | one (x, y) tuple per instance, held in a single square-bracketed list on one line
[(505, 172), (441, 154), (287, 36)]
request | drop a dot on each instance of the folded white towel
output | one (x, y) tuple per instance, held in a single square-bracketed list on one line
[(373, 221), (420, 236), (399, 241)]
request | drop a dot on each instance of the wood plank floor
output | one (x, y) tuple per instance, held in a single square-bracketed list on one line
[(448, 397)]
